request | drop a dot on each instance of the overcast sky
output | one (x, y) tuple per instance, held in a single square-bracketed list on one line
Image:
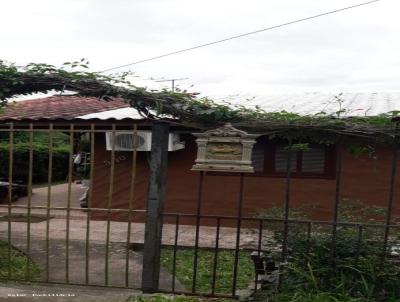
[(356, 50)]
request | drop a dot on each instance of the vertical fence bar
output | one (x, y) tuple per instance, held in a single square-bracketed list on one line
[(359, 241), (175, 252), (109, 203), (131, 195), (259, 247), (70, 167), (90, 198), (49, 181), (155, 205), (389, 206), (338, 175), (215, 263), (196, 243), (286, 208), (28, 225), (10, 194), (309, 226), (238, 229)]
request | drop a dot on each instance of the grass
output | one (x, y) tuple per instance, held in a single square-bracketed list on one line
[(303, 296), (18, 263), (164, 298), (224, 272)]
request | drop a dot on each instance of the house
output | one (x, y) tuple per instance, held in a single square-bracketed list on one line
[(364, 177)]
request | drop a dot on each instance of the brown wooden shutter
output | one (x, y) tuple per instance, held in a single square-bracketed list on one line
[(313, 160), (281, 157), (258, 156)]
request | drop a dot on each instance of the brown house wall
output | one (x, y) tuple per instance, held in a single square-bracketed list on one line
[(364, 179)]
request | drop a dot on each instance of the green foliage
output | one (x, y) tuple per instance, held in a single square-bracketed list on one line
[(357, 211), (351, 268), (349, 211), (277, 212), (298, 147), (224, 277), (165, 298), (357, 270), (18, 263), (304, 296), (40, 162), (367, 150), (188, 108), (59, 139)]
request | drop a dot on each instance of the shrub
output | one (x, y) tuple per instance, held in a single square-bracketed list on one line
[(348, 269), (40, 162), (357, 270)]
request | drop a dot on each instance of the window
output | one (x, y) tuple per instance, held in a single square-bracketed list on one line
[(280, 160), (258, 157), (270, 158)]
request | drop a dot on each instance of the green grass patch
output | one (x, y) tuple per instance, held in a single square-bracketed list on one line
[(18, 263), (224, 272), (304, 296), (164, 298)]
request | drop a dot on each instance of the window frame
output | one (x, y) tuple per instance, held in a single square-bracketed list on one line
[(329, 166), (269, 169)]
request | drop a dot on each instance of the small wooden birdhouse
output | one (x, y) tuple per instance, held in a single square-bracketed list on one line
[(225, 149)]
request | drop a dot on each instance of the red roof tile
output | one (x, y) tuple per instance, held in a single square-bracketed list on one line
[(57, 107)]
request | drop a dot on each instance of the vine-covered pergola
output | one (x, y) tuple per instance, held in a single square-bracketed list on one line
[(191, 111), (188, 109)]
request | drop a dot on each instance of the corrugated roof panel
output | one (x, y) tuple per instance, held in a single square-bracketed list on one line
[(353, 104), (118, 114)]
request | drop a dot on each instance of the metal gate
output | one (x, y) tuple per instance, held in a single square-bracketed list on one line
[(67, 244)]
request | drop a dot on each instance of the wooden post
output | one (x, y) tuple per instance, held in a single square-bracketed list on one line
[(155, 202)]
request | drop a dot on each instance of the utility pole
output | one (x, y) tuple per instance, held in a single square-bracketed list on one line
[(172, 82)]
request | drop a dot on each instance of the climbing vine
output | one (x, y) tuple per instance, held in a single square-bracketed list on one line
[(189, 109)]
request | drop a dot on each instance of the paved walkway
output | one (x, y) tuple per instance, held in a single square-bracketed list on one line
[(117, 248), (59, 198), (118, 230), (97, 242), (119, 233), (97, 261), (16, 292)]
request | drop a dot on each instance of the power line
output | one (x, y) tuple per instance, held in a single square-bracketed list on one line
[(242, 35)]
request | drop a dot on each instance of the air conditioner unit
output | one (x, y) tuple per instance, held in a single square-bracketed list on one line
[(124, 141)]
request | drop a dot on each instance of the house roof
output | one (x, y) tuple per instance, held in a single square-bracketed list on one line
[(58, 107), (353, 104), (87, 108)]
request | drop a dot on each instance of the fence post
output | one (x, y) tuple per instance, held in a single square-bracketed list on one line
[(155, 202)]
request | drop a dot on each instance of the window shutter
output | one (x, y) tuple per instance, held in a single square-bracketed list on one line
[(258, 157), (313, 160), (281, 157)]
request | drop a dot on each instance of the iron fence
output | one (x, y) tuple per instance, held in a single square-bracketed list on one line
[(13, 212), (228, 243), (262, 243)]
